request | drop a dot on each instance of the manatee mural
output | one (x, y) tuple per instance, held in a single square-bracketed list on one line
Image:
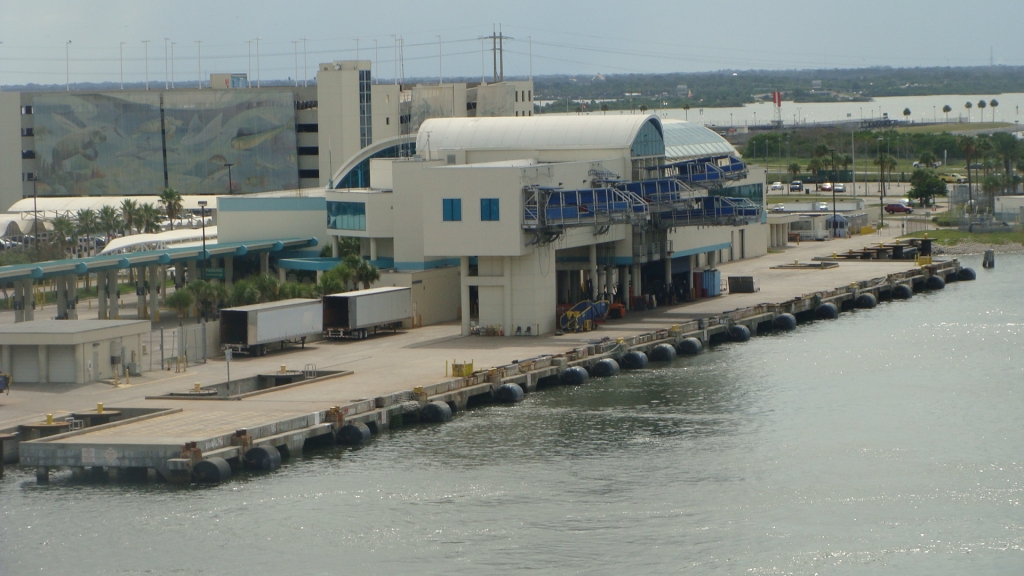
[(119, 144)]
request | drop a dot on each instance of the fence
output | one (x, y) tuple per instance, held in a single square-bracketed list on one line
[(178, 344)]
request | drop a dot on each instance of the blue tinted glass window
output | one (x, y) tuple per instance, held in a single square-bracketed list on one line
[(452, 209), (489, 209), (346, 215)]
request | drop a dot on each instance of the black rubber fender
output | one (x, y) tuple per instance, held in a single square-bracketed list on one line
[(436, 411), (509, 393), (827, 311), (354, 434), (663, 353), (635, 360), (785, 321), (575, 376), (264, 458), (902, 292), (605, 367), (935, 283), (739, 333), (967, 274), (866, 301), (689, 346), (212, 471)]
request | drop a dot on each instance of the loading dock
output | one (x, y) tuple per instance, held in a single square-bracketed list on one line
[(61, 351)]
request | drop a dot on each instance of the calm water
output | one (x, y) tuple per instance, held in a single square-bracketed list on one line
[(887, 442)]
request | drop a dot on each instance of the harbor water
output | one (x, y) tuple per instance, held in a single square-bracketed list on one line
[(886, 442)]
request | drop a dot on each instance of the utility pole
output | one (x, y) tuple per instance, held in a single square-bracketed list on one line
[(67, 65), (295, 44), (257, 61), (146, 44), (440, 76), (172, 64), (167, 82), (248, 77), (305, 68), (122, 65), (199, 61), (376, 61), (498, 50)]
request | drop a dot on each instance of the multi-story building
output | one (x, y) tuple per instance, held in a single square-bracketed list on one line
[(231, 139), (525, 214)]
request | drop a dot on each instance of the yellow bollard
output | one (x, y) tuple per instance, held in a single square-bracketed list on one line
[(49, 418), (99, 407), (196, 386), (446, 368), (283, 368)]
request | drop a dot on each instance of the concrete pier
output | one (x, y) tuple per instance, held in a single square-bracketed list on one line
[(394, 376)]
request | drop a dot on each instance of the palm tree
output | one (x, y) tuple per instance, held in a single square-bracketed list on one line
[(181, 301), (946, 110), (367, 274), (129, 214), (171, 201), (968, 106), (109, 220), (86, 226), (969, 146), (1008, 148), (906, 114), (643, 108), (149, 219), (686, 112), (927, 159), (845, 160), (64, 232), (993, 103), (794, 169), (981, 106)]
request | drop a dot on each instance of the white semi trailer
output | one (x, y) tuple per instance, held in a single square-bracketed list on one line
[(251, 328), (356, 314)]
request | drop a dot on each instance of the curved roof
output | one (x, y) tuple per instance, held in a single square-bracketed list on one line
[(172, 238), (546, 132), (689, 140), (367, 153)]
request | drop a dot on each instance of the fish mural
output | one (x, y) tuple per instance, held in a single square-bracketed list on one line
[(245, 139)]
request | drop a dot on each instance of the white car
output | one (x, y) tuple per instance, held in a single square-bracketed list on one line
[(821, 206), (776, 186), (779, 208)]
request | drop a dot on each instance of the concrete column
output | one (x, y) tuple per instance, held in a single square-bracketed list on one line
[(30, 301), (609, 281), (162, 281), (712, 259), (19, 301), (264, 263), (193, 270), (506, 289), (101, 295), (229, 272), (179, 275), (624, 285), (463, 293), (373, 249), (5, 359), (113, 305), (281, 277), (594, 287), (44, 363), (80, 376), (668, 269), (73, 297), (637, 288), (61, 288), (140, 292), (154, 309), (335, 247)]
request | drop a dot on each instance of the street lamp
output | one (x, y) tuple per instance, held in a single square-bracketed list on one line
[(231, 186), (202, 216), (881, 186), (835, 222)]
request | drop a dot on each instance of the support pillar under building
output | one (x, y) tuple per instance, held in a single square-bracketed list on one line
[(594, 287), (30, 301), (154, 308), (19, 302), (464, 293), (101, 294), (73, 297), (264, 263)]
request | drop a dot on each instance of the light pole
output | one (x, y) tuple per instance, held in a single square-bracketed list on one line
[(202, 216), (167, 81), (172, 63), (122, 65), (67, 65), (881, 187), (230, 184), (248, 78), (199, 62), (835, 222), (35, 213)]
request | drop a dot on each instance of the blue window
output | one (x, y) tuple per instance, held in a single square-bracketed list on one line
[(489, 209), (452, 209), (346, 215)]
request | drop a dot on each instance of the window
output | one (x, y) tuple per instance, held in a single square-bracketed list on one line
[(27, 132), (306, 128), (452, 208), (346, 215), (387, 121), (309, 173), (26, 109), (489, 209), (308, 150), (28, 154), (28, 176)]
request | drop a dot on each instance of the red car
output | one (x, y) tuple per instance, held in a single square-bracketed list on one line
[(898, 209)]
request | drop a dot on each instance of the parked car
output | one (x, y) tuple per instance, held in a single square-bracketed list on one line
[(776, 186), (933, 165), (826, 187), (953, 178), (796, 186), (898, 209), (821, 206), (779, 208), (840, 188)]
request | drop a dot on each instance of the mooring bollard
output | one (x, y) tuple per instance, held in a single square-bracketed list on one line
[(989, 260)]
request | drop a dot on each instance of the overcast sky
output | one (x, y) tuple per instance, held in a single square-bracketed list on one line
[(608, 37)]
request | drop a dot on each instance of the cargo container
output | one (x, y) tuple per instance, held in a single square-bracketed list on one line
[(251, 328), (357, 314)]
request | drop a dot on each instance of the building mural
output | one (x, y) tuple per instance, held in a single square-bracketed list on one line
[(120, 144)]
